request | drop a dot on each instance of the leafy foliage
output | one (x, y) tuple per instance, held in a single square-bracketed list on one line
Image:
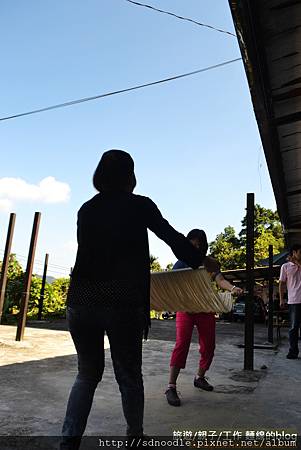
[(230, 250), (55, 298), (264, 220), (227, 249), (155, 267), (55, 294), (14, 267), (154, 264), (14, 286)]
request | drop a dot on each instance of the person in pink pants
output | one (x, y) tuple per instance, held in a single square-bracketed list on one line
[(205, 323)]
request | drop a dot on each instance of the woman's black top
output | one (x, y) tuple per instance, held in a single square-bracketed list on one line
[(112, 265)]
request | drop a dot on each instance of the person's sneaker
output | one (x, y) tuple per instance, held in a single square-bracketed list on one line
[(292, 355), (202, 383), (172, 397)]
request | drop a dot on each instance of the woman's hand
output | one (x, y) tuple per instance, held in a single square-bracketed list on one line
[(237, 291)]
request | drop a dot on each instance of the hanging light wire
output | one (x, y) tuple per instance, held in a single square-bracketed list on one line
[(121, 91), (181, 17)]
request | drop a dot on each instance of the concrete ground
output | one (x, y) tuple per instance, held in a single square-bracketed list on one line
[(37, 373)]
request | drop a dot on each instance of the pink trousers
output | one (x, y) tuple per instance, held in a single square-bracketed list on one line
[(205, 323)]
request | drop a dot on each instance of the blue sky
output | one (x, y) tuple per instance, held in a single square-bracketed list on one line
[(194, 141)]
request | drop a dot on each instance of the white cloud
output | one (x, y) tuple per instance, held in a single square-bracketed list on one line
[(53, 191), (5, 205), (48, 190)]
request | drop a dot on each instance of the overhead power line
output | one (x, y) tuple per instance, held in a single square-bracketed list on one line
[(121, 91), (181, 17), (37, 261)]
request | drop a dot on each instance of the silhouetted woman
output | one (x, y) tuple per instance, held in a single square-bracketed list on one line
[(109, 290)]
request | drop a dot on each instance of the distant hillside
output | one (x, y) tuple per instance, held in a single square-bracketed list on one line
[(49, 279)]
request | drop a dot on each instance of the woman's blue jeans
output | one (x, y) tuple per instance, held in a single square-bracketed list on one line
[(295, 323), (124, 329)]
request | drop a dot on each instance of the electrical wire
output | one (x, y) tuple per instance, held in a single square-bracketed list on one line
[(121, 91), (39, 262), (181, 17), (259, 165)]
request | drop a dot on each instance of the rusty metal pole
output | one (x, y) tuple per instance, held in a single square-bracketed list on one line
[(271, 300), (41, 301), (249, 315), (28, 275), (3, 279)]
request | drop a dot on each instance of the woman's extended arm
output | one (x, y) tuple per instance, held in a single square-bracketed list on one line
[(213, 267), (225, 284)]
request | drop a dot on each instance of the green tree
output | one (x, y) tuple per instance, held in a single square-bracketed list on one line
[(14, 268), (14, 286), (34, 296), (155, 267), (154, 264), (169, 266), (55, 298), (226, 248), (264, 219), (14, 292), (262, 242), (230, 250), (267, 231)]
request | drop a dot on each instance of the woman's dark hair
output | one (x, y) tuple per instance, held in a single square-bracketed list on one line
[(115, 172), (294, 248), (201, 236)]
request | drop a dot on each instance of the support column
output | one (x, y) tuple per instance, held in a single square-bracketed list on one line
[(271, 300), (249, 311), (28, 275), (41, 301), (5, 262)]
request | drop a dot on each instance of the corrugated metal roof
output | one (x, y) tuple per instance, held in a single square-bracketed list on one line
[(259, 273), (269, 34), (279, 259)]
